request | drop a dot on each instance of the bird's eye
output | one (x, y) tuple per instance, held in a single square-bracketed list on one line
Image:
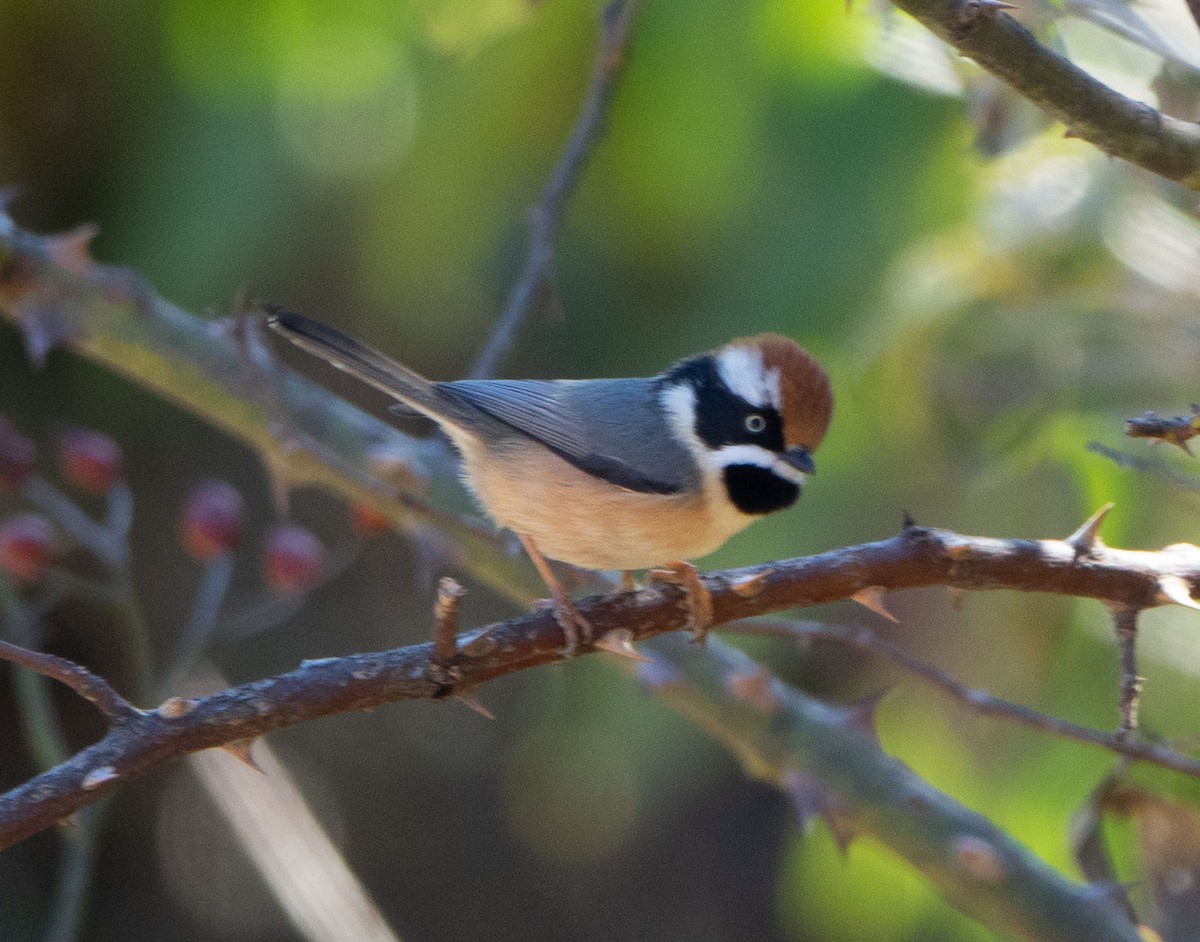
[(755, 422)]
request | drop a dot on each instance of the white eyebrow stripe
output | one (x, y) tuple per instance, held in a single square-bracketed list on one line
[(741, 370), (726, 455)]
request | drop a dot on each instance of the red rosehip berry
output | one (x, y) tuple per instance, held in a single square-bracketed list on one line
[(368, 521), (212, 520), (294, 561), (17, 456), (27, 547), (89, 460)]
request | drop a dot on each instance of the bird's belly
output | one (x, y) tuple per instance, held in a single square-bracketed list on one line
[(577, 518)]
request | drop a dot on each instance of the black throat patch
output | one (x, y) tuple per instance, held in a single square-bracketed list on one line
[(757, 490)]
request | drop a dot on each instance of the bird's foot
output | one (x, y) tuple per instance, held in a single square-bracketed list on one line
[(699, 599), (575, 628)]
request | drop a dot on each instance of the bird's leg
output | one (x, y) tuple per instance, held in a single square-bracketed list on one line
[(575, 627), (699, 600), (628, 583)]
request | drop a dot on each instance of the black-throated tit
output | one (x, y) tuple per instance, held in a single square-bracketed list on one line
[(618, 474)]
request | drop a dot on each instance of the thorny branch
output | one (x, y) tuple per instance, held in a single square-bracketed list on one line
[(545, 218), (1117, 125), (915, 558), (828, 760)]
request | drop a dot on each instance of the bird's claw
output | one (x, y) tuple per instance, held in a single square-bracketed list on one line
[(575, 628), (699, 599)]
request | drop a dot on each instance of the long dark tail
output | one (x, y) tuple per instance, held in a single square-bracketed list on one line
[(366, 364)]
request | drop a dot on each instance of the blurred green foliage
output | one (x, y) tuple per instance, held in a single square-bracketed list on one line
[(370, 163)]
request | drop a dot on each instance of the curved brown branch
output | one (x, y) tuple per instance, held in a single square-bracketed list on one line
[(917, 557), (92, 688), (544, 219), (1119, 126)]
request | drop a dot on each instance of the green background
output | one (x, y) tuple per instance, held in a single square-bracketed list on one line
[(371, 163)]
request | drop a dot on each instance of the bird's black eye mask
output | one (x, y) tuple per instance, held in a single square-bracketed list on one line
[(722, 417)]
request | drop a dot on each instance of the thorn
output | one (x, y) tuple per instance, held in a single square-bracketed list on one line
[(468, 700), (749, 586), (619, 641), (812, 800), (907, 522), (1087, 538), (1070, 133), (72, 250), (863, 714), (628, 583), (808, 797), (872, 597), (43, 328), (754, 689), (1176, 589), (240, 750)]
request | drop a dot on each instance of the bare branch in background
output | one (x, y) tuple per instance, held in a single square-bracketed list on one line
[(545, 218), (1117, 125), (803, 746), (971, 698)]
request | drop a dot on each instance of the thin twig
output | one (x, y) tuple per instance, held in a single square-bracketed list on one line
[(1149, 464), (201, 623), (979, 701), (92, 688), (104, 543), (1125, 619), (546, 216)]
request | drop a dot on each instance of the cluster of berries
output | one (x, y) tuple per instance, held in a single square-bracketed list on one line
[(211, 524)]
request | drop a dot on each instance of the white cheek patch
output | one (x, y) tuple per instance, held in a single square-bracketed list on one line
[(679, 401), (741, 370), (756, 455)]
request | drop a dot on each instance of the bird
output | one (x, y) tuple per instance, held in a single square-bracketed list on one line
[(618, 474)]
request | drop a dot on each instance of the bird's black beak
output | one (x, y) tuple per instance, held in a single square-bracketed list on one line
[(800, 459)]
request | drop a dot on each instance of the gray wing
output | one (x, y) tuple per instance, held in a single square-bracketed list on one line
[(613, 429)]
